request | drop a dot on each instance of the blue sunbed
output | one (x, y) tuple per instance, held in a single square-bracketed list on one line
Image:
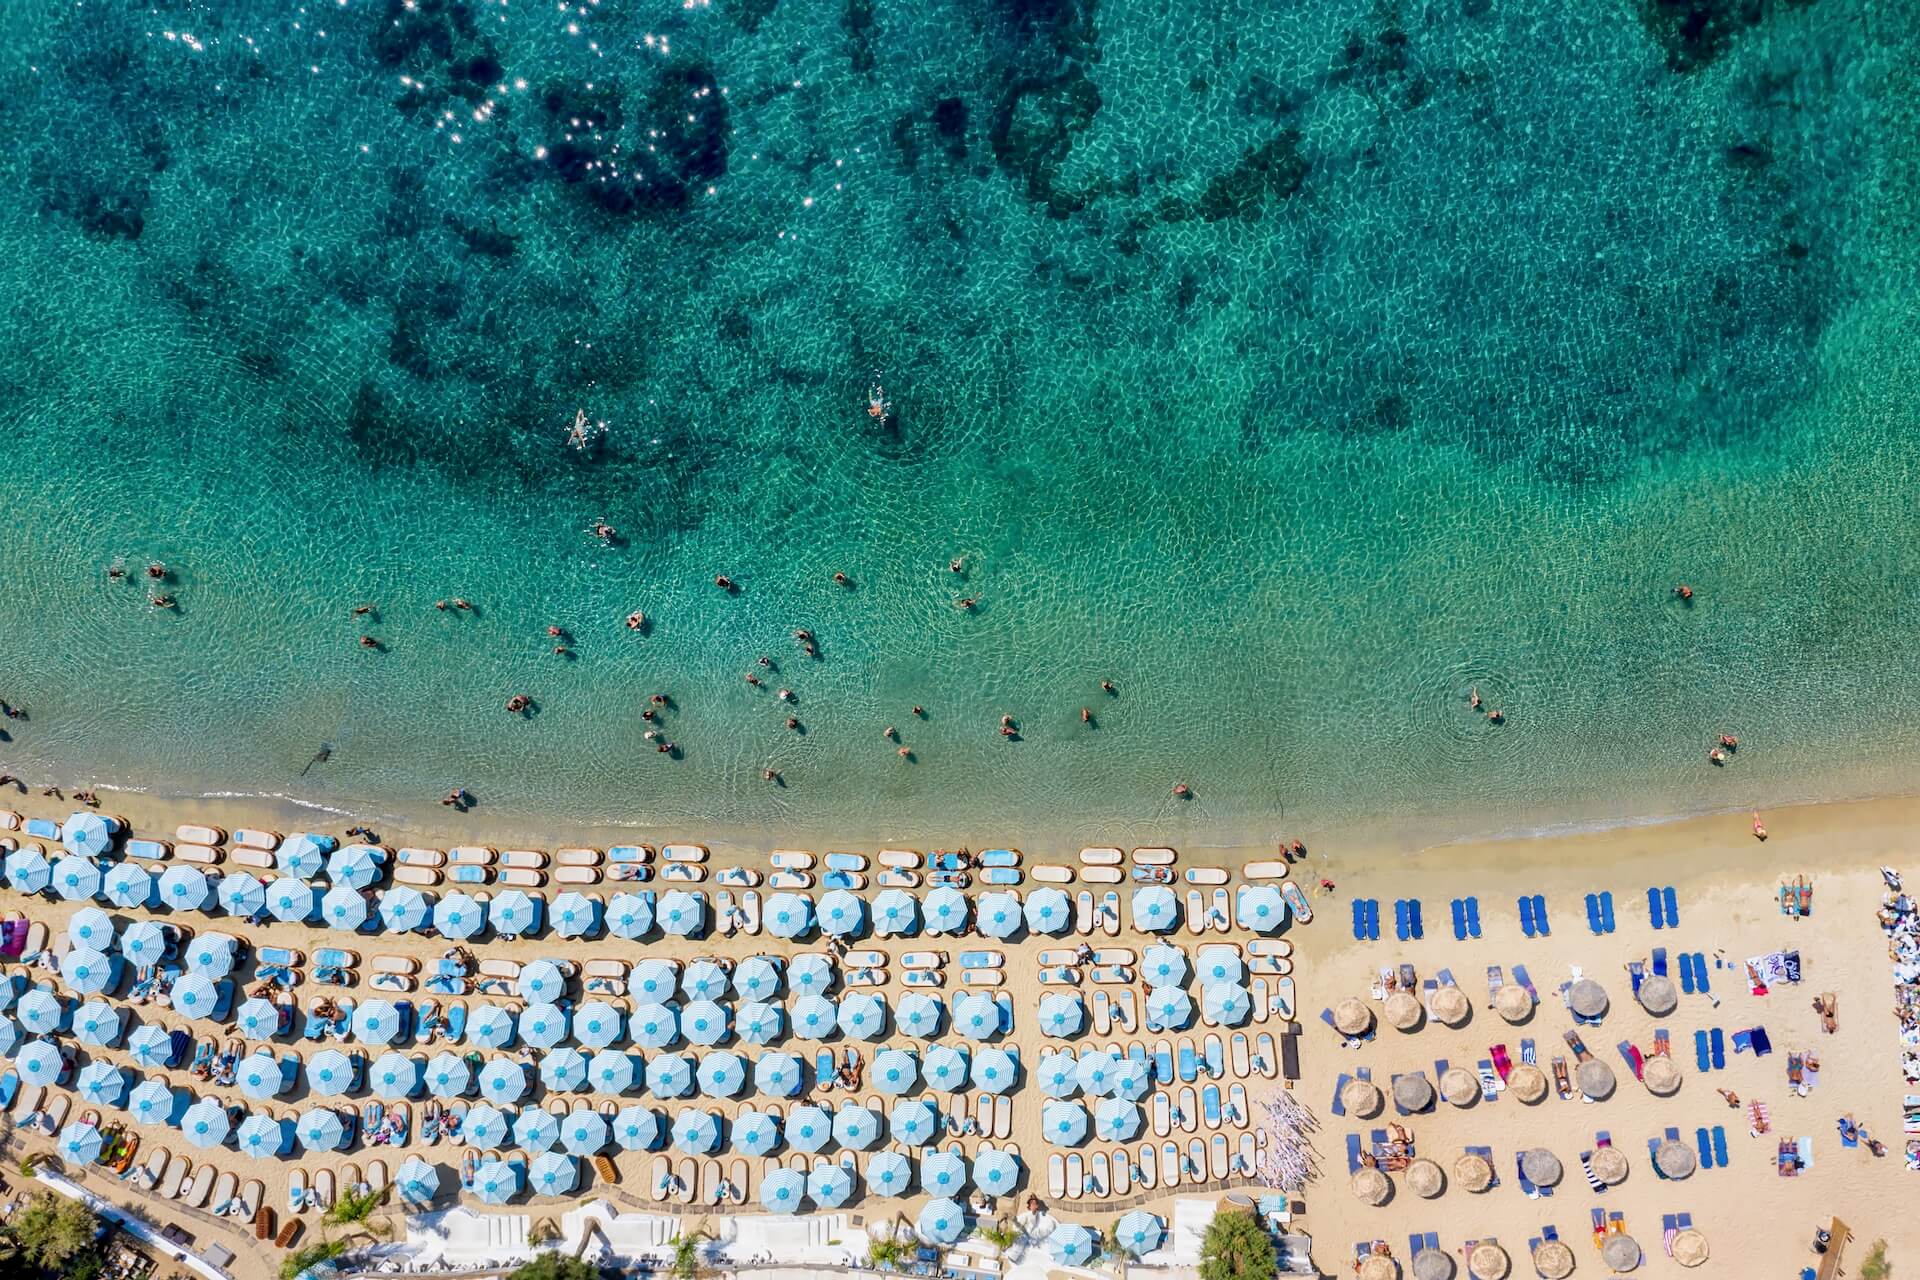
[(1540, 915), (1700, 973), (1606, 908), (1720, 1145), (1593, 914), (1401, 928), (1660, 962), (1339, 1107), (1415, 922), (1719, 1050), (1459, 920), (1672, 903), (1526, 917), (1189, 1063), (1686, 973), (1705, 1146), (1359, 919), (1701, 1061), (1353, 1153), (1473, 917), (1520, 976), (1656, 909)]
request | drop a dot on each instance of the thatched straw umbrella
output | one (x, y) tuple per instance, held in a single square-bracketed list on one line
[(1351, 1017), (1689, 1248), (1676, 1159), (1403, 1011), (1609, 1164), (1488, 1261), (1378, 1266), (1621, 1252), (1657, 996), (1370, 1186), (1450, 1006), (1413, 1092), (1511, 1001), (1553, 1260), (1660, 1075), (1432, 1264), (1460, 1087), (1541, 1166), (1596, 1079), (1424, 1178), (1472, 1172), (1527, 1082), (1587, 998), (1360, 1097)]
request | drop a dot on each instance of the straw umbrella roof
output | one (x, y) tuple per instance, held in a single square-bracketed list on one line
[(1378, 1266), (1370, 1186), (1621, 1252), (1488, 1261), (1511, 1001), (1460, 1086), (1527, 1082), (1609, 1164), (1351, 1017), (1361, 1097), (1689, 1248), (1424, 1178), (1660, 1075), (1432, 1264), (1676, 1159), (1541, 1166), (1596, 1079), (1450, 1006), (1587, 998), (1656, 995), (1414, 1092), (1553, 1260), (1473, 1172), (1403, 1011)]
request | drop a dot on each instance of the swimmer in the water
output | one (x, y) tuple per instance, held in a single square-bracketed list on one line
[(1182, 790), (723, 582), (966, 602), (842, 579), (636, 620), (792, 723), (362, 610), (1086, 715)]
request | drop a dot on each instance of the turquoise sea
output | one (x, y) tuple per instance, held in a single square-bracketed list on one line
[(1300, 368)]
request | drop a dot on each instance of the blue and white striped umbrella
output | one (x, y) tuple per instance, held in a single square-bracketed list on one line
[(491, 1027), (1226, 1003), (1132, 1079), (841, 914), (564, 1070), (996, 1172), (261, 1137), (448, 1075), (553, 1174), (75, 878), (81, 1143), (514, 912), (810, 974), (584, 1132), (87, 971), (1163, 966), (495, 1182), (809, 1128), (787, 915), (503, 1081), (541, 982), (943, 1173), (357, 865), (149, 1044), (1219, 964), (1096, 1072), (1155, 909), (1057, 1076), (289, 899), (376, 1022), (1116, 1120), (756, 978), (944, 1067), (91, 927), (98, 1023), (152, 1102), (894, 1072), (543, 1026), (895, 913), (758, 1022), (258, 1018), (40, 1012), (301, 854), (241, 894), (611, 1071), (912, 1123), (944, 910), (1262, 908), (9, 1035), (1049, 911), (86, 834), (630, 915), (343, 907), (101, 1084), (998, 915), (704, 980), (211, 954), (1168, 1009), (418, 1181), (1062, 1014), (1139, 1232), (863, 1016), (653, 979), (703, 1022), (143, 944), (258, 1075), (696, 1132), (575, 915), (783, 1191), (1064, 1124), (670, 1076), (941, 1221), (404, 909), (814, 1017), (918, 1015), (778, 1075), (976, 1016), (458, 916), (330, 1073), (993, 1071), (754, 1133), (206, 1124), (536, 1130), (636, 1128), (830, 1185), (486, 1126), (596, 1024), (1071, 1244), (127, 884), (722, 1075), (654, 1026), (681, 913), (28, 870), (395, 1076), (856, 1128)]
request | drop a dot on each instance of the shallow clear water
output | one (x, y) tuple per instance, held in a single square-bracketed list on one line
[(1299, 368)]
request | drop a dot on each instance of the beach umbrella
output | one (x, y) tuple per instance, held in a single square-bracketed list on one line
[(829, 1185), (404, 909), (1226, 1003), (395, 1076), (1553, 1259), (300, 855), (755, 1133), (486, 1126), (1096, 1071), (629, 915), (212, 954), (912, 1123), (1064, 1123), (1587, 998), (514, 912), (1116, 1120), (941, 1222), (1541, 1166), (418, 1181), (287, 899), (1155, 909), (841, 914), (242, 895), (1071, 1244), (1595, 1079), (703, 1022), (722, 1075), (553, 1174), (1450, 1005), (1661, 1076), (993, 1071), (681, 913), (670, 1076), (1621, 1252), (1370, 1186), (654, 1026), (28, 870), (535, 1130), (495, 1182), (149, 1044), (856, 1128), (1351, 1017), (457, 916), (1432, 1264), (996, 1172), (889, 1173), (1049, 911), (918, 1015), (1262, 908), (91, 927), (1511, 1001), (1460, 1086), (1061, 1013), (653, 980), (758, 1022), (610, 1071), (810, 974), (1168, 1009), (787, 915), (1362, 1097), (997, 915), (330, 1072), (1472, 1172), (81, 1143), (575, 915), (1215, 965), (777, 1075), (696, 1132), (376, 1022), (206, 1123), (101, 1084), (1675, 1159), (541, 982), (40, 1012), (543, 1026), (151, 1102), (491, 1027), (1412, 1092), (260, 1137), (704, 980), (9, 1035), (127, 884), (895, 913), (944, 1067), (976, 1016), (814, 1017), (1057, 1075), (87, 971), (1689, 1249), (596, 1024), (1163, 966), (1132, 1079), (1609, 1164), (355, 865), (1488, 1261), (943, 1173), (448, 1075), (503, 1081), (944, 910), (756, 978), (144, 943), (1424, 1179), (862, 1016), (1657, 996), (86, 834), (258, 1075), (76, 879), (781, 1191), (894, 1072), (636, 1128), (563, 1070), (808, 1129), (1139, 1233), (98, 1023)]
